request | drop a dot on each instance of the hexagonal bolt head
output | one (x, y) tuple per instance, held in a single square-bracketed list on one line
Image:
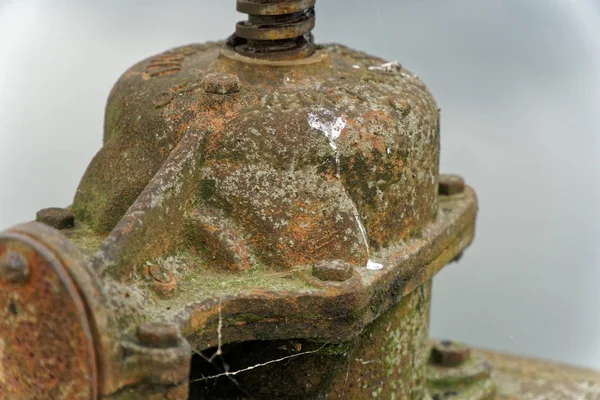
[(451, 184), (221, 83), (158, 334), (57, 218), (449, 354), (14, 268), (334, 271)]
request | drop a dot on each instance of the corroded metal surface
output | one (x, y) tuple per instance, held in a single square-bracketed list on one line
[(257, 7), (386, 361), (454, 373), (57, 218), (265, 181), (46, 349), (258, 202), (296, 305), (253, 176), (447, 353), (521, 378), (275, 30), (273, 208)]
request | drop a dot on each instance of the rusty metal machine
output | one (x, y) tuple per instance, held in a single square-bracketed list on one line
[(263, 221)]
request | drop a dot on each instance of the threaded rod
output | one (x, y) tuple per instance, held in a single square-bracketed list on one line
[(275, 29)]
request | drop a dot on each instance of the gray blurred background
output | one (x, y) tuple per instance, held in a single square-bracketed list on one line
[(518, 83)]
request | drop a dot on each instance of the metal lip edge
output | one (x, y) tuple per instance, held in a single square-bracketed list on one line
[(350, 305)]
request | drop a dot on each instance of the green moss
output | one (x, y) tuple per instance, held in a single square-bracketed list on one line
[(88, 199), (113, 115), (377, 392), (246, 318), (85, 239), (208, 187), (196, 276)]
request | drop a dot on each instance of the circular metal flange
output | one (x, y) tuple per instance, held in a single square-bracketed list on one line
[(281, 50), (254, 7), (252, 30), (46, 344), (234, 54), (275, 29)]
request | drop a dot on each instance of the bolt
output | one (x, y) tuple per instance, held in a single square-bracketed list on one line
[(14, 268), (451, 184), (57, 218), (158, 334), (335, 271), (221, 83), (164, 283), (449, 354)]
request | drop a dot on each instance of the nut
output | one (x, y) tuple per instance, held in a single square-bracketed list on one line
[(158, 334), (164, 281), (57, 218), (335, 271), (447, 353), (14, 268), (221, 83), (451, 184)]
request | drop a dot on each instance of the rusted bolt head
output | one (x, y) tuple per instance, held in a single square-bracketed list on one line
[(14, 268), (335, 271), (164, 281), (162, 99), (158, 334), (447, 353), (57, 218), (221, 83), (451, 184)]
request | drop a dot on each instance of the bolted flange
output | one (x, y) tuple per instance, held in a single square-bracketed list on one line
[(43, 321)]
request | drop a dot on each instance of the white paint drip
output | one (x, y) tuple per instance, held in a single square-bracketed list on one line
[(363, 231), (356, 66), (388, 68), (331, 126), (373, 266)]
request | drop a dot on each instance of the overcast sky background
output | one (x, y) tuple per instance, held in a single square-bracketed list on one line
[(518, 83)]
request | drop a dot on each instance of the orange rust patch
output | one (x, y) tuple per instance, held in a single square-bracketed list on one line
[(47, 346)]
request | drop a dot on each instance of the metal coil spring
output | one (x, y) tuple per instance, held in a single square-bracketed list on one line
[(275, 29)]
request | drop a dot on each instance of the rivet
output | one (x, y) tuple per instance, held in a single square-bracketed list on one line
[(335, 271), (447, 353), (221, 83), (164, 282), (451, 184), (14, 268)]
